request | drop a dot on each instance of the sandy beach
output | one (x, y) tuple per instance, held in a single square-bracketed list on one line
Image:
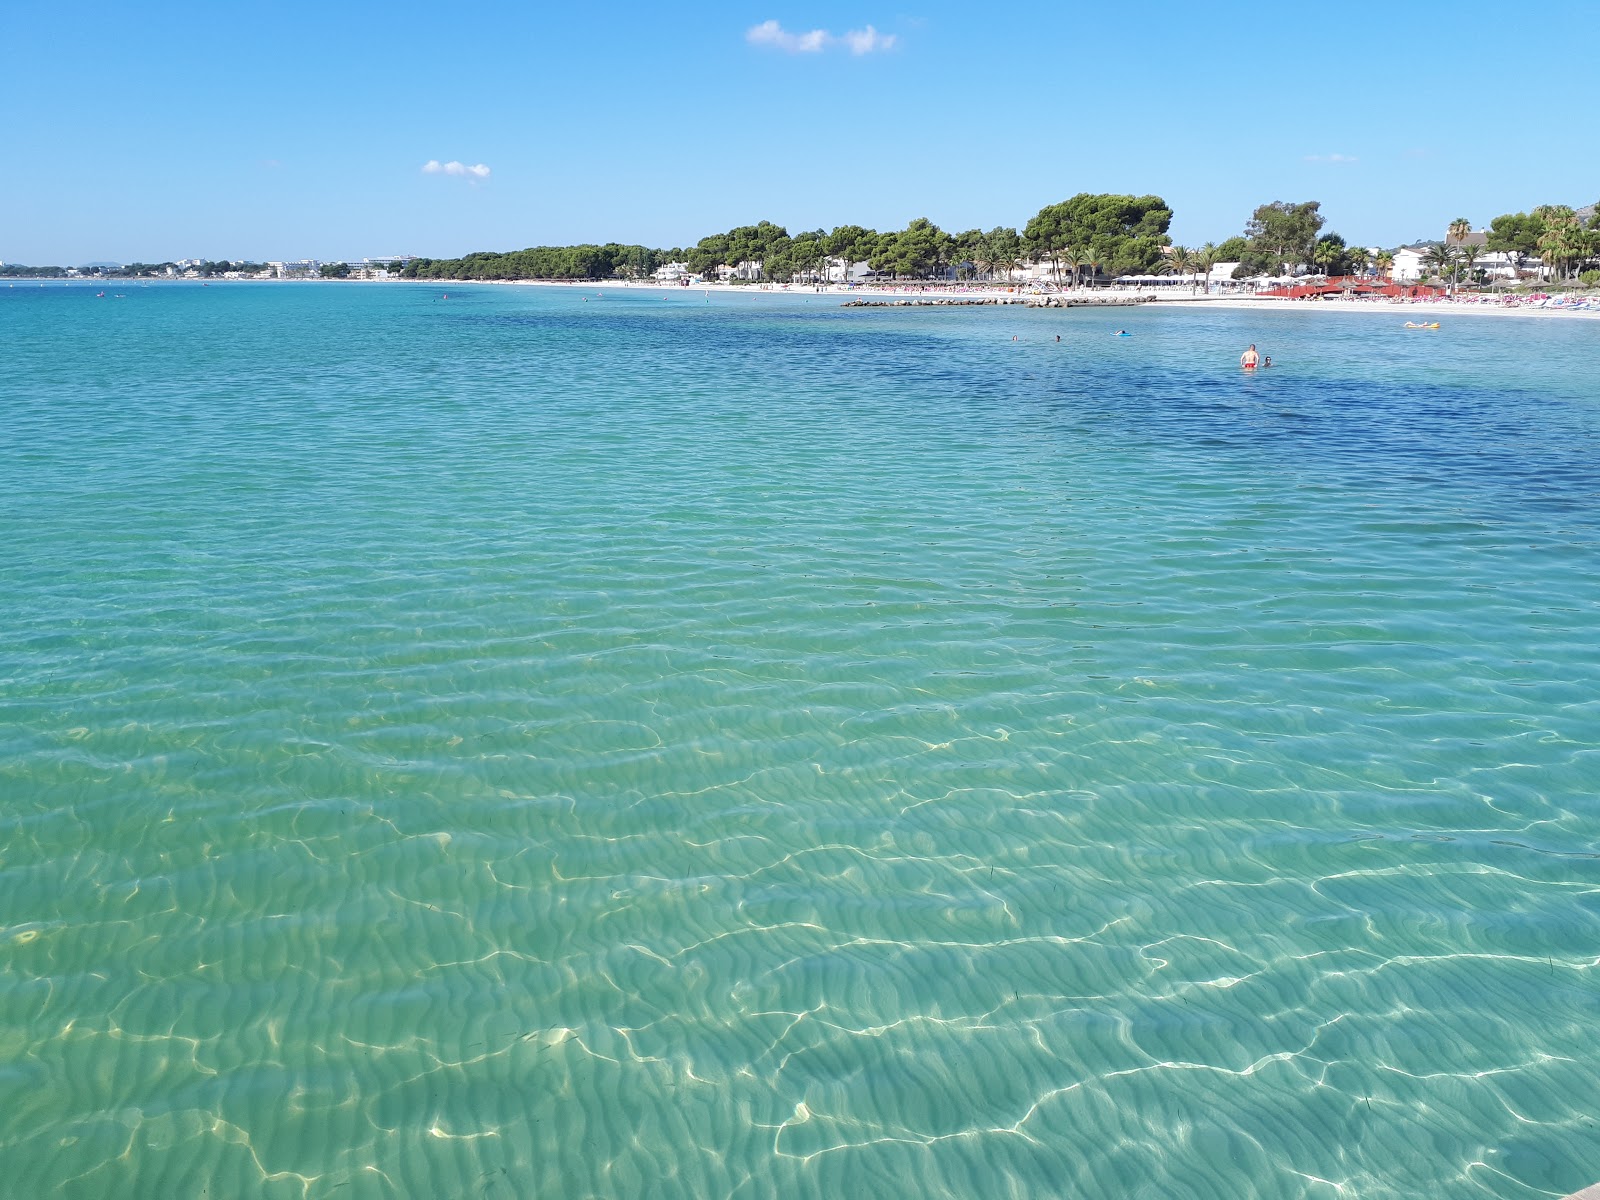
[(1465, 306)]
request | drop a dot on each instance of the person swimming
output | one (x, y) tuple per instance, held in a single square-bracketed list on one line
[(1267, 361), (1249, 359), (1122, 333)]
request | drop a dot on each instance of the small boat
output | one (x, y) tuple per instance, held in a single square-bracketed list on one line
[(1414, 325)]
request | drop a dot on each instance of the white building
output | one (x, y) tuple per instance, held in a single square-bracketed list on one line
[(1410, 262), (841, 270), (746, 271), (671, 272)]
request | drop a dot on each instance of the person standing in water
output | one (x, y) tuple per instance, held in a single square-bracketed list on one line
[(1249, 358)]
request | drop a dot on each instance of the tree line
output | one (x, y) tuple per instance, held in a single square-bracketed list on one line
[(1552, 233), (1105, 234), (136, 270), (1090, 236)]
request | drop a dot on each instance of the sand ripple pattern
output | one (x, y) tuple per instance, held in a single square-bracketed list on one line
[(619, 745)]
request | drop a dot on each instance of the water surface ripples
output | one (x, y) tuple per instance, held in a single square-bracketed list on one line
[(593, 745)]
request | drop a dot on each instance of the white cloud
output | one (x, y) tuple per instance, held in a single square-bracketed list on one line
[(434, 167), (814, 41), (770, 33), (1331, 158), (865, 41)]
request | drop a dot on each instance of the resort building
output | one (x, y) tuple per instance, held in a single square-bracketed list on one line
[(840, 270), (1411, 262), (1408, 266), (747, 272)]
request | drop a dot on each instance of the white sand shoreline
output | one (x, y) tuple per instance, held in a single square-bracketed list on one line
[(1465, 308), (891, 292)]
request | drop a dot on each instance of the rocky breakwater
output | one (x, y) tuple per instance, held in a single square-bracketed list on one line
[(1087, 300), (936, 302)]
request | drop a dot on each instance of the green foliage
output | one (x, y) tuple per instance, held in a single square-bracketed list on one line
[(1564, 242), (213, 269), (1330, 255), (128, 271), (966, 250), (1590, 279), (1233, 250), (1440, 258), (918, 250), (1122, 235), (1515, 234), (1002, 251), (745, 244), (15, 271), (1282, 234), (335, 270), (1551, 233), (805, 256), (852, 243), (540, 262)]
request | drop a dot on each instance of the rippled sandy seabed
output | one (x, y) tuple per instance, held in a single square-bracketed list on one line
[(573, 745)]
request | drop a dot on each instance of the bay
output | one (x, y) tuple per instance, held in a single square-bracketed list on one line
[(596, 742)]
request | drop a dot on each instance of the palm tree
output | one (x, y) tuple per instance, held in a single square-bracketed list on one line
[(1205, 259), (1460, 229), (1073, 257), (1440, 258), (1358, 259), (1555, 249), (1385, 264), (983, 257), (1326, 255), (1467, 258), (1180, 260), (1562, 240)]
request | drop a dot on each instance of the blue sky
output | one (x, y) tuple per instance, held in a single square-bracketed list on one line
[(161, 130)]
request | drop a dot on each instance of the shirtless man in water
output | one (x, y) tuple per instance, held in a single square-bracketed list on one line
[(1249, 358)]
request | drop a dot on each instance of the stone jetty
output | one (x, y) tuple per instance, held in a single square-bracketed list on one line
[(935, 302), (1085, 300)]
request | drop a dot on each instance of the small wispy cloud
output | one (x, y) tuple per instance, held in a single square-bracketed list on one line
[(1331, 158), (865, 41), (434, 167), (770, 33), (813, 41)]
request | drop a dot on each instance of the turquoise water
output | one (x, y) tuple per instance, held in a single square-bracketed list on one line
[(539, 743)]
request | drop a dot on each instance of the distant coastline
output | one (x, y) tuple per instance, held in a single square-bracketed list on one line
[(1472, 304), (1462, 306)]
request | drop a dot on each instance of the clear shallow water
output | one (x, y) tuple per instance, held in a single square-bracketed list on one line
[(520, 745)]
